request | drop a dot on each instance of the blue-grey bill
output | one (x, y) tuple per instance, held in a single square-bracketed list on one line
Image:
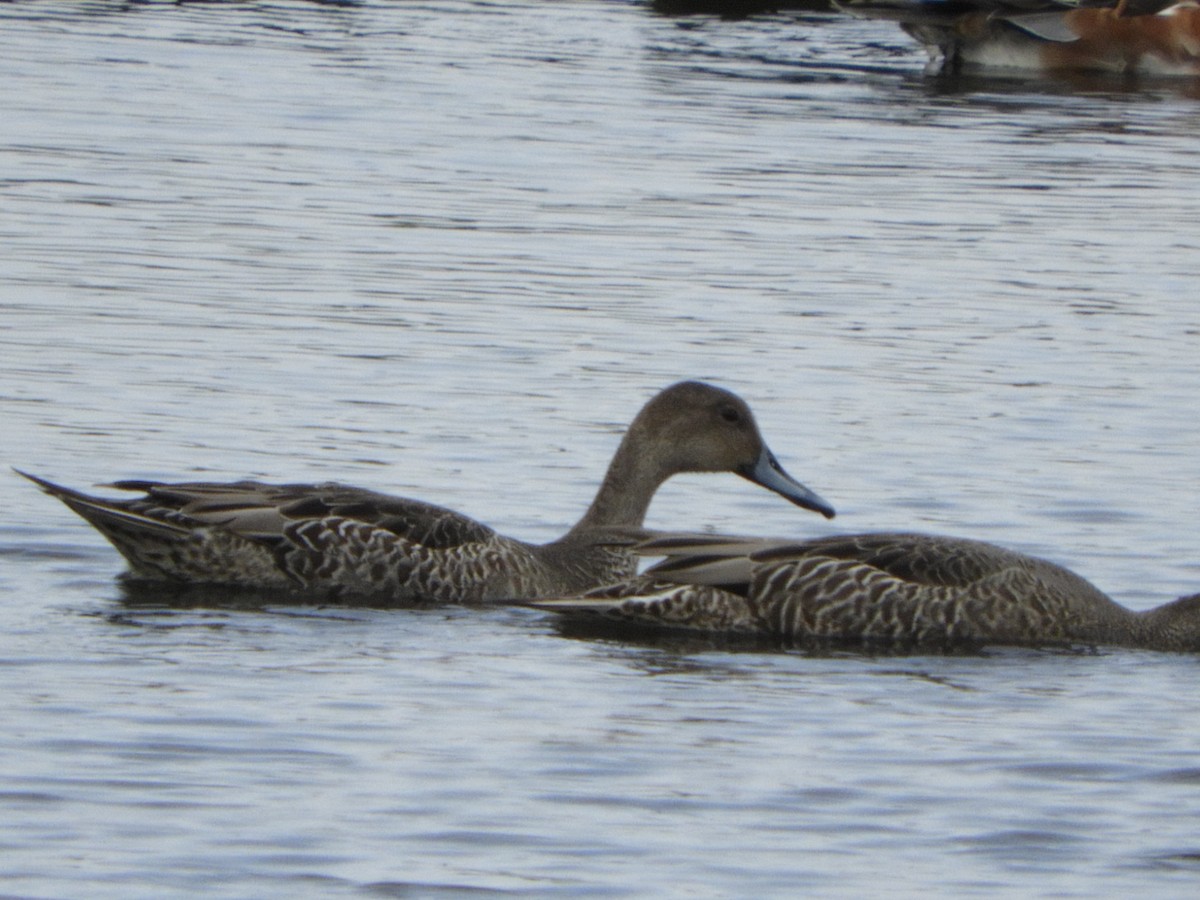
[(771, 475)]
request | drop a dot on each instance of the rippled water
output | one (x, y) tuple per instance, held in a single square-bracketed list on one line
[(447, 249)]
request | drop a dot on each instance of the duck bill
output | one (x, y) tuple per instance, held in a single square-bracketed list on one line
[(769, 473)]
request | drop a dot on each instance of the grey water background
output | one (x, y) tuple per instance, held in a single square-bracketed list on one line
[(447, 249)]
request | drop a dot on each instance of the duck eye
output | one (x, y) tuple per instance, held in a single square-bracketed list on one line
[(730, 415)]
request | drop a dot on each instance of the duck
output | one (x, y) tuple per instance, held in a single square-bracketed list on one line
[(893, 590), (1128, 37), (336, 542)]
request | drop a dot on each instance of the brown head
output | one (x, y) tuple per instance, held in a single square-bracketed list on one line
[(691, 427)]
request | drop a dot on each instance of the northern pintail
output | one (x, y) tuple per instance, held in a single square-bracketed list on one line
[(335, 541), (878, 589)]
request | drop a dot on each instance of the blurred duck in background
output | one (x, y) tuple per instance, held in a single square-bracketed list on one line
[(1135, 37)]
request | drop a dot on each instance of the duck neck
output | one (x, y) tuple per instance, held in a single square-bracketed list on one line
[(1172, 626), (633, 476)]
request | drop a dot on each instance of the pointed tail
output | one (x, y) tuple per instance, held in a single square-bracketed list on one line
[(104, 515)]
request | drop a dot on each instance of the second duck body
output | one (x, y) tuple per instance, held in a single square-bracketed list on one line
[(891, 589)]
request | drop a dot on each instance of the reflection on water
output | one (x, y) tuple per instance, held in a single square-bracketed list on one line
[(447, 250)]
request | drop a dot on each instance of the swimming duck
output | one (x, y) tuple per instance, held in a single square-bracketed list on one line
[(1148, 37), (336, 541), (878, 589)]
